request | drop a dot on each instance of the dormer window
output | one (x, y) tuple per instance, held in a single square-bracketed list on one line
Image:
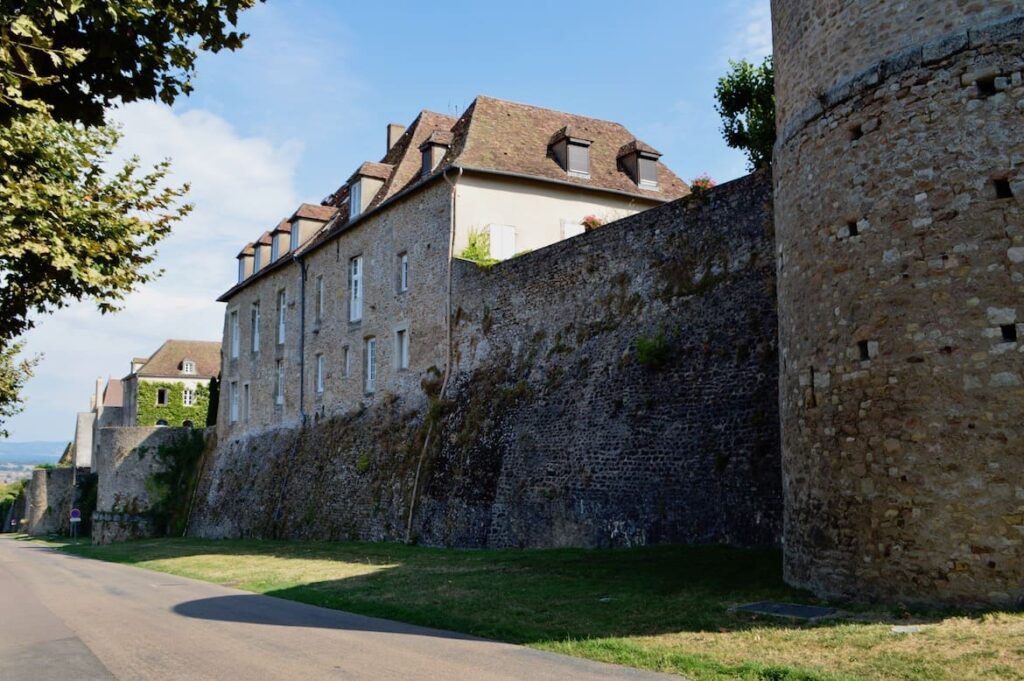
[(572, 151), (641, 162), (257, 259), (355, 199), (275, 249), (433, 150), (648, 166), (241, 270), (188, 367), (294, 243)]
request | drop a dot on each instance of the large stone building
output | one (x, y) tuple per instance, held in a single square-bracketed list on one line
[(899, 200), (347, 302)]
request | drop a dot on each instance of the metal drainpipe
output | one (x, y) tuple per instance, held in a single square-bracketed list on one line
[(448, 350), (302, 338)]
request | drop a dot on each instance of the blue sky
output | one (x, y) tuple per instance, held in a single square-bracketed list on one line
[(292, 114)]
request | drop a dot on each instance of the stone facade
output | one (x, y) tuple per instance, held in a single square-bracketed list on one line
[(556, 428), (899, 197), (417, 225), (125, 459)]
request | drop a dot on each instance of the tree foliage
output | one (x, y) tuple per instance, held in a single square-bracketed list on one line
[(746, 103), (69, 229), (14, 371), (77, 57)]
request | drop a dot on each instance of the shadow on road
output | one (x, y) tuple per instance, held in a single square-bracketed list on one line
[(256, 609)]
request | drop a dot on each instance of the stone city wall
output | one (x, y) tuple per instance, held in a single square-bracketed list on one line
[(125, 460), (50, 496), (613, 389)]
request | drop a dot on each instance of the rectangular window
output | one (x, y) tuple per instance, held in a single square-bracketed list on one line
[(282, 315), (503, 241), (579, 160), (403, 272), (233, 400), (355, 287), (319, 373), (188, 397), (241, 270), (319, 298), (648, 169), (279, 384), (161, 397), (233, 332), (295, 235), (355, 200), (256, 258), (370, 373), (346, 362), (402, 349), (254, 322), (246, 401), (275, 247)]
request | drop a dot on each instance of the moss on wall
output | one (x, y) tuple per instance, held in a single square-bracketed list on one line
[(174, 413)]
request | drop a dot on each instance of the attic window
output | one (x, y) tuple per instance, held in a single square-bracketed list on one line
[(355, 200), (188, 367), (427, 159), (294, 236), (648, 171), (579, 158)]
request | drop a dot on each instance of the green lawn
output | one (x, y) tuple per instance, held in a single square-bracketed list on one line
[(661, 608)]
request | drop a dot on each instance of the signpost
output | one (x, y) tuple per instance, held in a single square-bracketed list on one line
[(76, 517)]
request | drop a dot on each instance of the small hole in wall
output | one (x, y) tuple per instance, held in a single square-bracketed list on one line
[(856, 132), (1009, 333), (862, 347), (1003, 189), (852, 226), (986, 86)]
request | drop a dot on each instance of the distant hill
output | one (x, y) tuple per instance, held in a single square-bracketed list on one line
[(31, 452)]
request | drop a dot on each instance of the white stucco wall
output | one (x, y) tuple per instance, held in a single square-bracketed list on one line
[(536, 210)]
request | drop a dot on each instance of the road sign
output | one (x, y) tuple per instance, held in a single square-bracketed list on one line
[(76, 515)]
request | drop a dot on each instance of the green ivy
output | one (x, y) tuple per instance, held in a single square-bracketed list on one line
[(170, 490), (174, 412), (479, 249)]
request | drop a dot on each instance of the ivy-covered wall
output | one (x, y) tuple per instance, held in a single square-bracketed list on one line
[(175, 413)]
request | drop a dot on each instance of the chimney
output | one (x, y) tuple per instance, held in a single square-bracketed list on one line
[(394, 132), (98, 399)]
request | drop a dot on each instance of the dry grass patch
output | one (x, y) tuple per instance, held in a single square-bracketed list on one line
[(661, 608)]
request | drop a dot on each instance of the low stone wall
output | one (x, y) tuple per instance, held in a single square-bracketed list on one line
[(50, 496), (618, 388), (125, 459)]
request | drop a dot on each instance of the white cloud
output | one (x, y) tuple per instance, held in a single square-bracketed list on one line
[(240, 186), (752, 39)]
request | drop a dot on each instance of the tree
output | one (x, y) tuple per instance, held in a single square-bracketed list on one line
[(77, 57), (13, 375), (68, 229), (746, 103)]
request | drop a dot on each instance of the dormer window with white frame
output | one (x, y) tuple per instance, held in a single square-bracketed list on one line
[(648, 171), (355, 199), (188, 367)]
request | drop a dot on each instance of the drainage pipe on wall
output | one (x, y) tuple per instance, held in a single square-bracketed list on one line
[(447, 345)]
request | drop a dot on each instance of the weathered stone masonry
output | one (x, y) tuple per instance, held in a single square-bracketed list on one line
[(552, 431), (899, 184)]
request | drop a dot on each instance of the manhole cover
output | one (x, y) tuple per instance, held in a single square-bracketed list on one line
[(791, 610)]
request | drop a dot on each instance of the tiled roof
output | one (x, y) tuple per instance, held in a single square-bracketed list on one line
[(381, 171), (492, 135), (113, 394), (637, 145), (247, 250), (311, 211), (265, 239), (166, 362), (283, 227)]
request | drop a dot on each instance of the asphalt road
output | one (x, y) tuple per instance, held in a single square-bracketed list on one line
[(69, 618)]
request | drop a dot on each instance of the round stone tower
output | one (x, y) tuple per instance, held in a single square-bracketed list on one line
[(899, 210)]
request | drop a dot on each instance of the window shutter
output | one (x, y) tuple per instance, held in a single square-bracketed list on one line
[(503, 241)]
